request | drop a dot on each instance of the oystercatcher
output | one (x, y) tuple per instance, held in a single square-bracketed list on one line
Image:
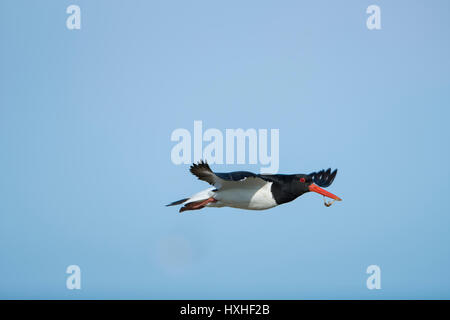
[(247, 190)]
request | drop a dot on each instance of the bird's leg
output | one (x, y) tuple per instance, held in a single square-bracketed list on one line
[(327, 204), (197, 205)]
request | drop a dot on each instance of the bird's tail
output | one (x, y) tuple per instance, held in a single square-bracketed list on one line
[(175, 203), (197, 201), (195, 205)]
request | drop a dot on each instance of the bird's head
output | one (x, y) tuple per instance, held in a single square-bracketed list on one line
[(315, 182)]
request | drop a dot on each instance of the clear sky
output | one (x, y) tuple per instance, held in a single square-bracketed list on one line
[(85, 152)]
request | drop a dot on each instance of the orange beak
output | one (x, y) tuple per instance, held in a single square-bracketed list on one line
[(316, 188)]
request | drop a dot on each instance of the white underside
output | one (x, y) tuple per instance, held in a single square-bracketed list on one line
[(250, 196)]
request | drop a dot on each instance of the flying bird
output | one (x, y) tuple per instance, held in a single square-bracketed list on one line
[(247, 190)]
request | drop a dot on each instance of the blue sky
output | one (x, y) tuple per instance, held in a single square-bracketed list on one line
[(86, 118)]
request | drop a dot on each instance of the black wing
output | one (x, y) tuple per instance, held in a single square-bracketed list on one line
[(203, 172), (236, 175), (223, 179), (323, 178)]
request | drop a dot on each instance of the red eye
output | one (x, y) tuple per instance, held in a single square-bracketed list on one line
[(302, 180)]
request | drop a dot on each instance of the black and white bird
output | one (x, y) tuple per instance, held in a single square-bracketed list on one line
[(247, 190)]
